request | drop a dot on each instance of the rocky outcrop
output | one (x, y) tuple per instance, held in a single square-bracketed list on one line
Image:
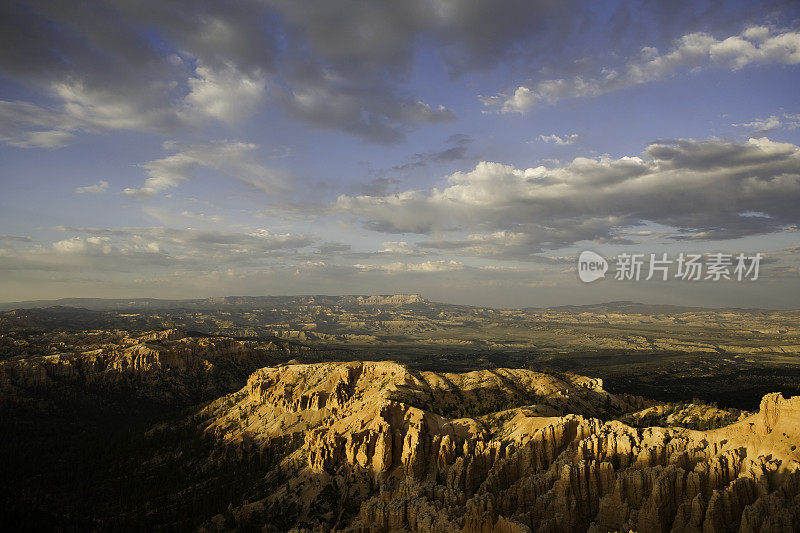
[(381, 453), (695, 415), (166, 367)]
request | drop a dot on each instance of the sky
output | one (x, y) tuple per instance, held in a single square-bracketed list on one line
[(465, 150)]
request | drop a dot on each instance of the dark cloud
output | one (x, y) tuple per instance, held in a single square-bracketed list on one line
[(472, 34), (163, 65), (159, 66), (369, 109), (457, 146), (710, 154)]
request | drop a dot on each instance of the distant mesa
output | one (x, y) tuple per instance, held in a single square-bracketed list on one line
[(118, 304)]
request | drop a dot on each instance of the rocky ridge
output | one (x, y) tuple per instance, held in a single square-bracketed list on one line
[(387, 449), (168, 367)]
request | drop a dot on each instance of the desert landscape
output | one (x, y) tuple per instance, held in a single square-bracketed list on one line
[(388, 413), (402, 266)]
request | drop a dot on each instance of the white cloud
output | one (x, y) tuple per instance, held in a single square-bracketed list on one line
[(114, 258), (98, 187), (505, 244), (757, 45), (425, 267), (420, 111), (693, 186), (521, 101), (202, 216), (787, 121), (565, 139), (227, 95), (78, 245), (233, 159), (29, 126), (89, 108), (123, 250), (399, 248), (42, 139)]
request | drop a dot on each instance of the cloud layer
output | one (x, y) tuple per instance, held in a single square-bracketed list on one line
[(165, 66), (114, 251), (756, 45), (702, 189)]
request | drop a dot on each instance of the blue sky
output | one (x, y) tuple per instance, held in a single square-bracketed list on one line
[(462, 149)]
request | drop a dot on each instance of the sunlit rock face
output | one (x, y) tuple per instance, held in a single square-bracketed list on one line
[(388, 449)]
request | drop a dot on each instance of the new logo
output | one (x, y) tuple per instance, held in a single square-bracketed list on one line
[(591, 266)]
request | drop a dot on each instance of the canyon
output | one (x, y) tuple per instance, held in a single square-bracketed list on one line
[(381, 413), (378, 456)]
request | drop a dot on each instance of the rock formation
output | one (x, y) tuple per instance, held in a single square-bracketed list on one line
[(388, 449), (165, 367)]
